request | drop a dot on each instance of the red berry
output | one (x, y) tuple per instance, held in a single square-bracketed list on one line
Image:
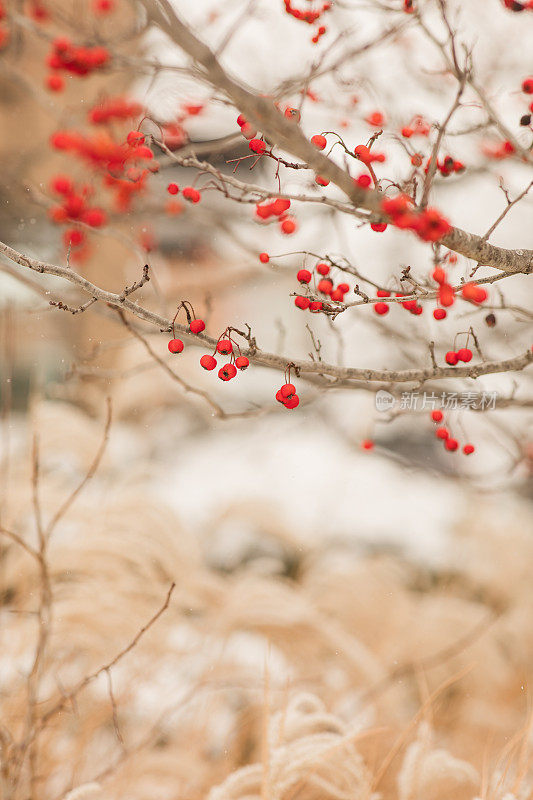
[(225, 347), (208, 362), (367, 444), (73, 237), (257, 146), (197, 326), (287, 390), (319, 141), (103, 6), (241, 362), (437, 416), (315, 305), (471, 291), (264, 258), (439, 275), (379, 227), (382, 293), (527, 86), (135, 138), (292, 402), (173, 188), (302, 302), (227, 372), (464, 354), (451, 358), (451, 444), (442, 433), (322, 269), (325, 286), (191, 194), (381, 308), (175, 346), (248, 131), (439, 313), (321, 181), (55, 83), (468, 449), (280, 206), (94, 217), (446, 295), (241, 120), (279, 397), (337, 295), (265, 211), (304, 276), (292, 113), (288, 225), (62, 184), (376, 119), (363, 181), (343, 287), (363, 153)]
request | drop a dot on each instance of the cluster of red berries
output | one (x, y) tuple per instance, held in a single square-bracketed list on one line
[(195, 326), (443, 434), (75, 60), (286, 395), (277, 208), (225, 346), (410, 305), (324, 285), (103, 152), (310, 15), (114, 108), (74, 207), (447, 166), (446, 294), (189, 192), (428, 223), (453, 357), (257, 146), (417, 127), (368, 156)]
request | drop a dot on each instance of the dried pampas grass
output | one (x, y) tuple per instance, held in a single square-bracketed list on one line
[(328, 676)]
